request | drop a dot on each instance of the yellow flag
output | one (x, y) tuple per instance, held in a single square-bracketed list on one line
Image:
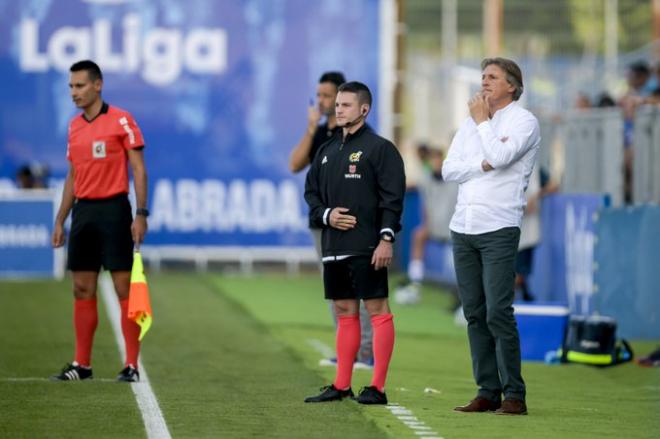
[(139, 304)]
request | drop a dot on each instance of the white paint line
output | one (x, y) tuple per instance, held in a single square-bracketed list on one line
[(408, 419), (152, 417), (401, 413), (320, 347)]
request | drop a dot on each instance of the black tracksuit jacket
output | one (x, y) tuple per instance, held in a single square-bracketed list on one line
[(365, 174)]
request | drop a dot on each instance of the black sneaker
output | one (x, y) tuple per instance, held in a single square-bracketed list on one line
[(129, 374), (371, 395), (330, 393), (73, 372)]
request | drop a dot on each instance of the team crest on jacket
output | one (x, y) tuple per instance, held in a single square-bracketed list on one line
[(355, 157)]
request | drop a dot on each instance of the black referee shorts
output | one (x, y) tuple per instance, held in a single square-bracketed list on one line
[(354, 278), (101, 235)]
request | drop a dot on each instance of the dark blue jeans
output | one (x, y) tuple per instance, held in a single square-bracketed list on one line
[(485, 271)]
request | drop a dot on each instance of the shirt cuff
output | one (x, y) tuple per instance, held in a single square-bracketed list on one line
[(325, 216), (386, 229), (483, 127)]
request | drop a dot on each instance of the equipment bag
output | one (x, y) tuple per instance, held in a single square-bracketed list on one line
[(592, 340)]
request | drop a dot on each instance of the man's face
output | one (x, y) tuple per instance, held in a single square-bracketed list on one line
[(84, 91), (494, 85), (326, 93), (347, 108)]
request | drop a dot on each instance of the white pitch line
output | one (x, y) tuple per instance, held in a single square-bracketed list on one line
[(320, 347), (154, 423), (407, 417), (403, 414)]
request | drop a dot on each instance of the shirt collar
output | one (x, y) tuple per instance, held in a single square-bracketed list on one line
[(499, 113), (104, 110)]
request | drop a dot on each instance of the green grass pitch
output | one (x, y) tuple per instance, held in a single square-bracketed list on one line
[(234, 357)]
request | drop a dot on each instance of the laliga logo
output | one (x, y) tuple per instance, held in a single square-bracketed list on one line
[(161, 53)]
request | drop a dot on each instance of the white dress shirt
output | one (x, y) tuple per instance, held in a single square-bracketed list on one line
[(490, 201)]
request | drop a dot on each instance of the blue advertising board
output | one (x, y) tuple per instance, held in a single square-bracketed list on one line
[(626, 275), (220, 90), (563, 262), (26, 224), (562, 268)]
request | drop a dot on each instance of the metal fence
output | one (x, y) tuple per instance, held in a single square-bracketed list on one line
[(583, 151), (646, 161), (593, 153)]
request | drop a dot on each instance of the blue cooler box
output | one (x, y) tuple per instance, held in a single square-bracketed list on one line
[(541, 327)]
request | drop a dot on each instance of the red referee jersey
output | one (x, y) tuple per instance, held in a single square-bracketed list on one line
[(97, 150)]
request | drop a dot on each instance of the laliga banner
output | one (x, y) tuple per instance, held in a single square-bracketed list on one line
[(219, 88)]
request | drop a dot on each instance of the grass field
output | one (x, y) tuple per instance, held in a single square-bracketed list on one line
[(234, 357)]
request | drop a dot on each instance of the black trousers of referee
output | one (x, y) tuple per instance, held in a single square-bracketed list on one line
[(485, 271)]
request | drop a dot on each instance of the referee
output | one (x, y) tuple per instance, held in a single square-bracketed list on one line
[(355, 191), (103, 232)]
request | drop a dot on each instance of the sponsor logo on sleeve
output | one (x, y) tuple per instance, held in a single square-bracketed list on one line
[(131, 135)]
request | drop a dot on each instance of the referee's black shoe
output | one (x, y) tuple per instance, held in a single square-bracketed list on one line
[(330, 393), (371, 395), (129, 374), (73, 372)]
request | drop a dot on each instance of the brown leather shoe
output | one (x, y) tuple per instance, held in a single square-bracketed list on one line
[(512, 407), (479, 404)]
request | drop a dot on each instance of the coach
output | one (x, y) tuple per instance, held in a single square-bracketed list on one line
[(491, 157)]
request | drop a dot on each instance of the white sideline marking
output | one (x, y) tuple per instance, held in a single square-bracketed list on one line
[(154, 423), (407, 417), (403, 414), (322, 348)]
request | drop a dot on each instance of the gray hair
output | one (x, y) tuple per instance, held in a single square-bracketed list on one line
[(513, 73)]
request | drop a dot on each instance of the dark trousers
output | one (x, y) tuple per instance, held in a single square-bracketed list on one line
[(485, 271)]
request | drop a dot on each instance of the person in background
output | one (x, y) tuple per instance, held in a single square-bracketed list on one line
[(31, 177), (437, 200), (530, 231)]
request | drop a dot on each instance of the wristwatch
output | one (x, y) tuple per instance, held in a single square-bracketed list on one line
[(142, 211), (387, 237)]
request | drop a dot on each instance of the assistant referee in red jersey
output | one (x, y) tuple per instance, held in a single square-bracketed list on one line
[(103, 231)]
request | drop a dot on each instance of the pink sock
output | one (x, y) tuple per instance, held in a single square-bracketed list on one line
[(85, 319), (131, 331), (383, 341), (348, 344)]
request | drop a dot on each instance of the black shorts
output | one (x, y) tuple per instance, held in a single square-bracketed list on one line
[(354, 278), (101, 235)]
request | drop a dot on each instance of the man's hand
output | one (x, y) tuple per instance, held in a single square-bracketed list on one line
[(57, 240), (479, 108), (139, 229), (382, 257), (486, 166), (313, 118), (339, 220)]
